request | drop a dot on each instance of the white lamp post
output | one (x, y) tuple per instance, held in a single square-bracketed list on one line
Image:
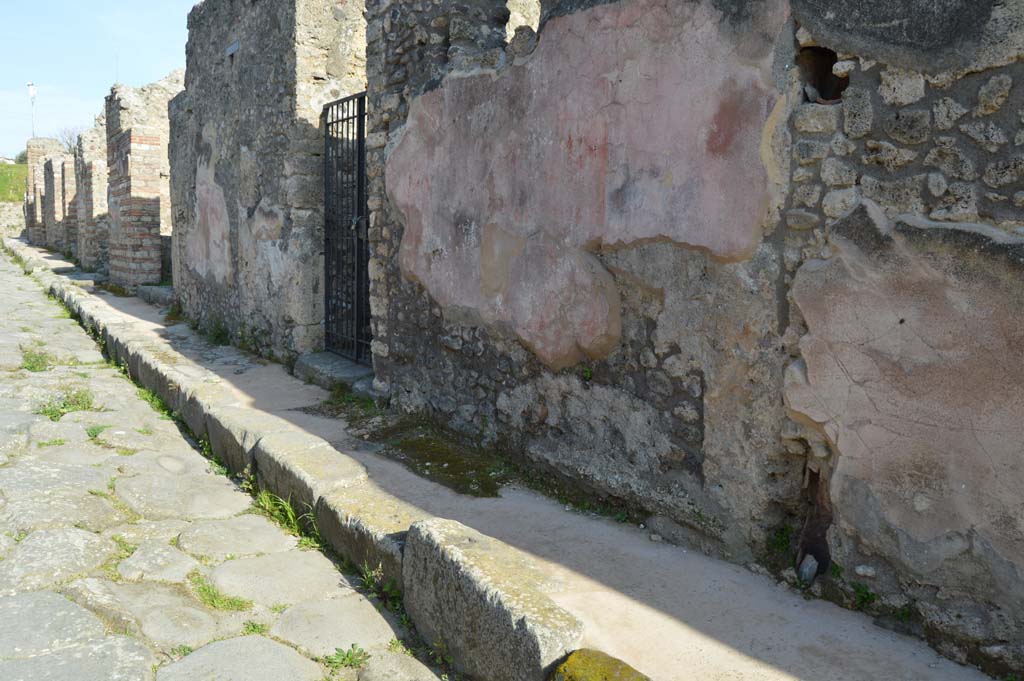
[(32, 97)]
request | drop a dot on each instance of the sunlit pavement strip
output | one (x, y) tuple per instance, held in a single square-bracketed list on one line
[(117, 540)]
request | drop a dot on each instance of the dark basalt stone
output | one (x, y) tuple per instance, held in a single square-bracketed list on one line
[(923, 35)]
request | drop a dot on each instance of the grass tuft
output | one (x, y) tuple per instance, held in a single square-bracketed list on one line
[(251, 628), (353, 658), (36, 361), (212, 597), (56, 442), (154, 401), (71, 399), (281, 511)]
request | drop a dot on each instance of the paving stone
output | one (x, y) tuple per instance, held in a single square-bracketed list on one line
[(190, 496), (319, 627), (43, 621), (280, 578), (7, 543), (148, 530), (243, 536), (249, 658), (159, 562), (48, 557), (388, 666), (116, 658)]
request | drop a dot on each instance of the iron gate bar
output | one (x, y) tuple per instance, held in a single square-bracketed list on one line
[(346, 247)]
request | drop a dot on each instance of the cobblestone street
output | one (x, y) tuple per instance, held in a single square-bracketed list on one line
[(124, 553)]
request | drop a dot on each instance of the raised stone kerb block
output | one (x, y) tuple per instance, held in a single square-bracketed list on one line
[(483, 600)]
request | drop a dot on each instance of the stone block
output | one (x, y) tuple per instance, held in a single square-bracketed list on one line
[(367, 526), (485, 601), (301, 468), (858, 112), (817, 118)]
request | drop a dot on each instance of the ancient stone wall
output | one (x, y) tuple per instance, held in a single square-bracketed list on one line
[(69, 198), (138, 179), (764, 289), (53, 201), (247, 160), (38, 148), (905, 249), (528, 304), (91, 199), (12, 219)]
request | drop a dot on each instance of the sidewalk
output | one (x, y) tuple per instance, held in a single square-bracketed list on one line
[(673, 614)]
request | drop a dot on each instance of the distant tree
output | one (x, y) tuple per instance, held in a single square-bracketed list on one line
[(69, 138), (22, 157)]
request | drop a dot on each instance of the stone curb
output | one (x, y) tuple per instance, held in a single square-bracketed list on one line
[(479, 597)]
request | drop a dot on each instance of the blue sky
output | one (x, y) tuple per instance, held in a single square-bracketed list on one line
[(74, 50)]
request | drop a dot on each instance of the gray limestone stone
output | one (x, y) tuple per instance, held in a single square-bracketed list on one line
[(839, 202), (937, 184), (909, 126), (289, 577), (993, 94), (319, 627), (987, 135), (947, 112), (801, 219), (900, 87), (39, 622), (807, 152), (842, 146), (453, 575), (116, 658), (190, 496), (806, 196), (888, 156), (896, 196), (48, 557), (388, 666), (951, 160), (249, 658), (837, 173), (243, 536), (148, 530), (157, 561), (958, 204), (817, 118), (858, 112), (1005, 172)]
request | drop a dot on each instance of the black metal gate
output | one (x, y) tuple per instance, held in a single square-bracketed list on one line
[(346, 249)]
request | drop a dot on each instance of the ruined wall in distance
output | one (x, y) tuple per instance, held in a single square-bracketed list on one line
[(91, 199), (69, 199), (38, 148), (247, 159)]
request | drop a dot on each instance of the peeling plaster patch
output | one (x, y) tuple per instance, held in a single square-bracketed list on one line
[(915, 374), (208, 246), (630, 123)]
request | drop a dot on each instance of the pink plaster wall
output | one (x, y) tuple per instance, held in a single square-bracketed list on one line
[(633, 121)]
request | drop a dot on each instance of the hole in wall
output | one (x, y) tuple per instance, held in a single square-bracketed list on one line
[(820, 84), (814, 534), (522, 13)]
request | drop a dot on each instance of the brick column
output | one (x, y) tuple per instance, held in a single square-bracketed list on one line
[(138, 182)]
